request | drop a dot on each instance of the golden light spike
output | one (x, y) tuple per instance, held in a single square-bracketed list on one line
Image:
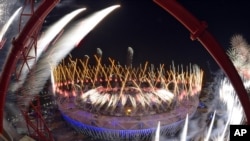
[(151, 73), (65, 72), (133, 75), (184, 79), (178, 78), (124, 82), (118, 72), (74, 72), (199, 74), (112, 66), (150, 84), (141, 74), (64, 75), (176, 89), (161, 72), (104, 72), (89, 73), (137, 87), (58, 72), (82, 73), (145, 68), (165, 81), (85, 66), (98, 60), (54, 74), (112, 63), (56, 69), (68, 76), (68, 73), (78, 74), (110, 70), (191, 83), (159, 75)]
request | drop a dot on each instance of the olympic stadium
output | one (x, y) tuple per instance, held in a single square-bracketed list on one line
[(47, 94)]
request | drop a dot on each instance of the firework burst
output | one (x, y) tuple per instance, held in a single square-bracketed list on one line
[(135, 97), (112, 86)]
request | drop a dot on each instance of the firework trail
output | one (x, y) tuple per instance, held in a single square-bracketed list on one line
[(157, 133), (184, 132), (42, 44), (3, 30), (7, 25), (40, 74)]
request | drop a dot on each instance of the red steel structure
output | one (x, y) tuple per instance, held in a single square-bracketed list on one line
[(35, 123), (27, 12), (198, 31), (31, 27)]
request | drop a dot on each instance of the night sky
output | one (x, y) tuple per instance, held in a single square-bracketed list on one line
[(154, 34)]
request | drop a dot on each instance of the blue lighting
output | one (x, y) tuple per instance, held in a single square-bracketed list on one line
[(113, 134), (108, 133)]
